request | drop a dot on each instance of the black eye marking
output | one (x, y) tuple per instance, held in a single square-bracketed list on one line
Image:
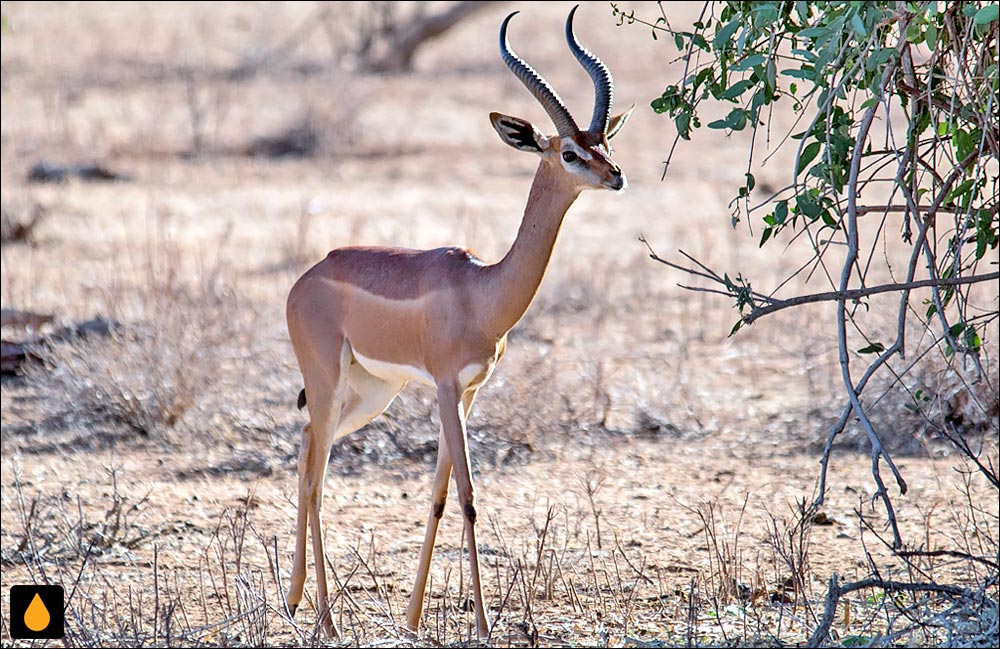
[(569, 156)]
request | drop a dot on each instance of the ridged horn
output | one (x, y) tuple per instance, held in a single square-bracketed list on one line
[(604, 86), (537, 85)]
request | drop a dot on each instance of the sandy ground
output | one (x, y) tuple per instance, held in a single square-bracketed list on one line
[(659, 444)]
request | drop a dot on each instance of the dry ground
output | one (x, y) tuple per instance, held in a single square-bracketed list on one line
[(668, 459)]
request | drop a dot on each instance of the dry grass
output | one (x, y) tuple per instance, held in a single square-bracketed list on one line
[(173, 342), (641, 475)]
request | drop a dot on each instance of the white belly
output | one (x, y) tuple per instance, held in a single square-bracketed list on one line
[(394, 372), (398, 374)]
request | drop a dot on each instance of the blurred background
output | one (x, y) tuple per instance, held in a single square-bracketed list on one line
[(211, 153)]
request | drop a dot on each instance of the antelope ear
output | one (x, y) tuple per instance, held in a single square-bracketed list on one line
[(518, 133), (618, 121)]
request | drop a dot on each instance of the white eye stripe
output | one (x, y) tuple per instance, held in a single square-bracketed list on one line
[(570, 145)]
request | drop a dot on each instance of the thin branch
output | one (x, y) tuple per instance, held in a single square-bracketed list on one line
[(877, 450), (684, 80), (835, 592), (867, 209), (965, 556), (858, 293), (774, 304)]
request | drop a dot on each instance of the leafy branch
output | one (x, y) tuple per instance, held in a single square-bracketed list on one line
[(894, 100)]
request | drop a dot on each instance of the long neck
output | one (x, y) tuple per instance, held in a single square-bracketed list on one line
[(511, 283)]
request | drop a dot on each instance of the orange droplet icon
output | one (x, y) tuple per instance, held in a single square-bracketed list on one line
[(37, 616)]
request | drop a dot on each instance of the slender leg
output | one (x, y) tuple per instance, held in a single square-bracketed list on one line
[(298, 580), (317, 472), (453, 411), (439, 494), (325, 388)]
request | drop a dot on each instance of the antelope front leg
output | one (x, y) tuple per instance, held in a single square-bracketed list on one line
[(452, 409), (439, 494)]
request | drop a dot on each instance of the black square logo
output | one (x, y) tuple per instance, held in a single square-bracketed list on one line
[(36, 612)]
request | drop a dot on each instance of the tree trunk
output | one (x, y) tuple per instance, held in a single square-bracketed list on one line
[(408, 38)]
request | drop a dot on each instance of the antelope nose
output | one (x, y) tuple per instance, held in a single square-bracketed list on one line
[(617, 180)]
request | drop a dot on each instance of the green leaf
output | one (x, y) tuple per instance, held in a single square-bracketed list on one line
[(815, 33), (805, 72), (878, 59), (958, 192), (874, 348), (972, 339), (809, 154), (987, 14), (859, 26), (965, 143), (749, 62), (868, 103), (725, 34), (706, 74), (683, 123), (765, 236), (737, 89), (930, 37), (771, 77), (765, 12), (987, 236), (737, 119), (781, 212), (751, 182), (807, 205)]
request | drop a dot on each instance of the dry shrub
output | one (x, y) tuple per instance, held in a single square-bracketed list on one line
[(174, 341), (227, 592), (944, 403)]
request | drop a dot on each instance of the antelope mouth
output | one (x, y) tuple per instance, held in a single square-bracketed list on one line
[(617, 184)]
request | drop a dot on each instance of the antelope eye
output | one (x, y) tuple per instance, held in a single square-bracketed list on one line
[(569, 156)]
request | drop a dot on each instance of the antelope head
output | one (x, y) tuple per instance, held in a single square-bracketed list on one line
[(584, 155)]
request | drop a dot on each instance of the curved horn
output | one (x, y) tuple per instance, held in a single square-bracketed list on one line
[(538, 86), (604, 87)]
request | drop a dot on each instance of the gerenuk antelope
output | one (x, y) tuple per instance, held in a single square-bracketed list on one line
[(365, 321)]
